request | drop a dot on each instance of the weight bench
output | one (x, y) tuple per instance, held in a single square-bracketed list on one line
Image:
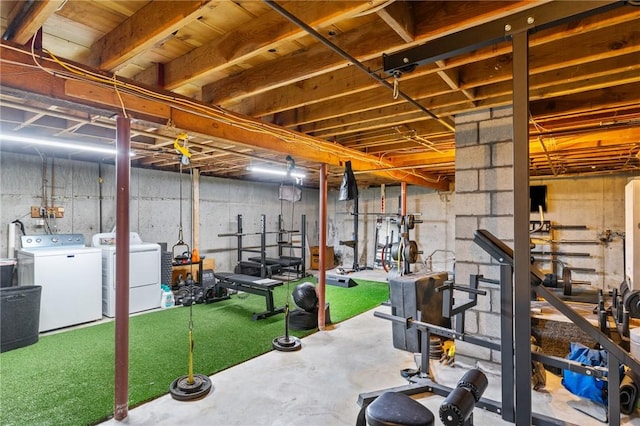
[(254, 285)]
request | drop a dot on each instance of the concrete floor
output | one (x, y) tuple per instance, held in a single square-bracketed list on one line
[(320, 384)]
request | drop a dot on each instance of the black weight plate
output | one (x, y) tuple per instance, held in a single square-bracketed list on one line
[(287, 344), (181, 390)]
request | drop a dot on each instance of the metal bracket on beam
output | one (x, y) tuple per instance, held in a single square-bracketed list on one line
[(540, 17)]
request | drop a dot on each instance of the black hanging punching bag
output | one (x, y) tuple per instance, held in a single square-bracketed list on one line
[(349, 187)]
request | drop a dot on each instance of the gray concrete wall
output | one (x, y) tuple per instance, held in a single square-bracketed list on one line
[(436, 232), (154, 205), (597, 202)]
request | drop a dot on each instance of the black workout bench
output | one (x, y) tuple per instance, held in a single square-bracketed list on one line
[(254, 285), (288, 262)]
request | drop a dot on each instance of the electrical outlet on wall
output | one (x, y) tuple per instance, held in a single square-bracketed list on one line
[(48, 212)]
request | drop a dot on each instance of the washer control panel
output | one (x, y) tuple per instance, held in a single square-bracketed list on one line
[(52, 240)]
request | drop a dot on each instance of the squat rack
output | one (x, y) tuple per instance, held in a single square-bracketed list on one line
[(298, 262), (267, 266)]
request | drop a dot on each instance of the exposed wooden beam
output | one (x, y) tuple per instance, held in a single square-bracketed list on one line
[(257, 37), (27, 17), (399, 16), (192, 116), (320, 88), (154, 22), (318, 59), (363, 43)]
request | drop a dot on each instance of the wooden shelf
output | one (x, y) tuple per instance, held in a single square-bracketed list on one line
[(177, 270)]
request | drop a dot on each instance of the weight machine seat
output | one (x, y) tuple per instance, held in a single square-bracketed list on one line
[(398, 409)]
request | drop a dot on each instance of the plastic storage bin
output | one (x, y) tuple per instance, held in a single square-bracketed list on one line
[(20, 312), (7, 268)]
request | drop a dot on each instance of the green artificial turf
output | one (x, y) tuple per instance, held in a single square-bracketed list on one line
[(68, 378)]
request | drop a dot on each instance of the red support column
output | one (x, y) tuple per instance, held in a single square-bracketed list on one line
[(123, 182), (322, 246), (403, 198)]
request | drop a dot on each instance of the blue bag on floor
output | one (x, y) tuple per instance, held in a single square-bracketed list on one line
[(580, 384)]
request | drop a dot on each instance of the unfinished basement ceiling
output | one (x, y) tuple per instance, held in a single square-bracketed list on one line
[(249, 85)]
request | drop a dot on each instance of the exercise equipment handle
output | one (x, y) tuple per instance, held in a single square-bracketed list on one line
[(406, 321), (460, 288)]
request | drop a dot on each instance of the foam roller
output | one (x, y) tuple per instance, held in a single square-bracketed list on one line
[(475, 381), (457, 407)]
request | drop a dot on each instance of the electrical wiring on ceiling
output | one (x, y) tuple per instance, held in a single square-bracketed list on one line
[(213, 111), (74, 72)]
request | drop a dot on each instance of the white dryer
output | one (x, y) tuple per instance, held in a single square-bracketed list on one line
[(69, 273), (145, 289)]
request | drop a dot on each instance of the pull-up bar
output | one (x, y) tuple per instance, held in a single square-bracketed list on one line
[(246, 234)]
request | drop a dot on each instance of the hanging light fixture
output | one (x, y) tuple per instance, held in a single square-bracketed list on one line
[(59, 144), (275, 172)]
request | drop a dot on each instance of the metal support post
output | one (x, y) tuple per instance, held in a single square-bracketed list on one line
[(522, 273), (507, 342)]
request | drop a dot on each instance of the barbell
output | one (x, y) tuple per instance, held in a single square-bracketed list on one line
[(240, 234)]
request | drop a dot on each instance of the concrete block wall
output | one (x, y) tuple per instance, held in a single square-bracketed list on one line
[(484, 200), (484, 193)]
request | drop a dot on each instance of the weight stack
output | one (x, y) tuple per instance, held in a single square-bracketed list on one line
[(415, 296), (166, 261)]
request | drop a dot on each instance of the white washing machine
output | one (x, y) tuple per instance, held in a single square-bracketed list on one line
[(144, 273), (69, 273)]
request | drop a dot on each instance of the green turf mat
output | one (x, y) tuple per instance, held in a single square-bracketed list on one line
[(68, 378)]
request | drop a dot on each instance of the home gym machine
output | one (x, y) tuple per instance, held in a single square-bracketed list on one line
[(501, 253), (404, 252), (285, 241), (252, 267)]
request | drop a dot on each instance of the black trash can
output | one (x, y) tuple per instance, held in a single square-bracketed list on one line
[(20, 316), (7, 270)]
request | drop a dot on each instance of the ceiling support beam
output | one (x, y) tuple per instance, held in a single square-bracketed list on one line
[(399, 16), (27, 17), (240, 45), (465, 41), (190, 116), (141, 30), (357, 63), (123, 185)]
